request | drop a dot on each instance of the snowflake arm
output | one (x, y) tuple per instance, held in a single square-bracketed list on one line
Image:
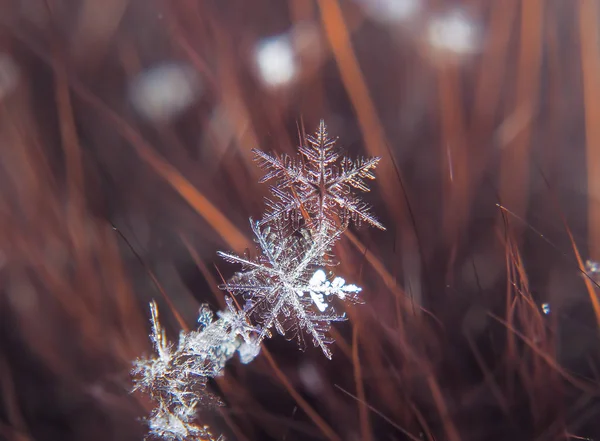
[(354, 173), (283, 168), (358, 211), (320, 151), (247, 263)]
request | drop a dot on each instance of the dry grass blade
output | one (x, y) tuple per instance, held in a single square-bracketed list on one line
[(312, 414), (590, 64)]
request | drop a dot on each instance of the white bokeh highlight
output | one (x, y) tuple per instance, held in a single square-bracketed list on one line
[(454, 33), (391, 11), (163, 91), (276, 60), (311, 378)]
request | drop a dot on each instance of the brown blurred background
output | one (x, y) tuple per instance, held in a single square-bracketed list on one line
[(125, 135)]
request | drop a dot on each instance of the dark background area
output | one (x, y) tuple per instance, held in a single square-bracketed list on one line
[(126, 129)]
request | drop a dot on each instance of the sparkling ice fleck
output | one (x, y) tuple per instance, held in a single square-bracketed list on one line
[(546, 308)]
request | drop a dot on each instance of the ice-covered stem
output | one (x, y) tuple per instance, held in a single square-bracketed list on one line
[(176, 376)]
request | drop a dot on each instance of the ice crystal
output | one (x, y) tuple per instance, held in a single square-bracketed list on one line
[(320, 287), (319, 184), (285, 285), (177, 376), (177, 426)]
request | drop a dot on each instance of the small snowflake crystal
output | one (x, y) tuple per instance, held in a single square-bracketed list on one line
[(319, 184)]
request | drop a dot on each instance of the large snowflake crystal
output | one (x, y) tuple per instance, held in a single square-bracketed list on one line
[(286, 288), (319, 184)]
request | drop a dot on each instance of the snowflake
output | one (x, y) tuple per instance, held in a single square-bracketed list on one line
[(285, 287), (319, 185)]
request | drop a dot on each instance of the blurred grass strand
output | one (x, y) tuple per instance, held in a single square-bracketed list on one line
[(589, 13)]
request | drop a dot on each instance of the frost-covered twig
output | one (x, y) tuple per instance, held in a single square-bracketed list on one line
[(176, 377)]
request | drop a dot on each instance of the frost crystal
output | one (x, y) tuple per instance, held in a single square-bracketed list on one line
[(284, 287), (319, 184), (176, 378), (277, 282)]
